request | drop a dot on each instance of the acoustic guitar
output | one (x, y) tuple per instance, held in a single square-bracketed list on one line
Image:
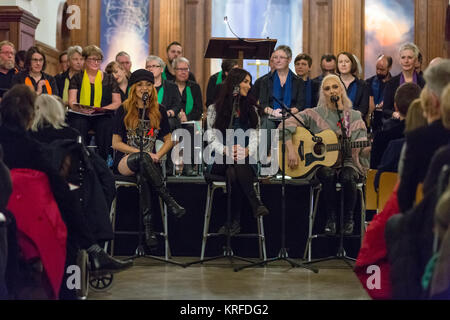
[(313, 154)]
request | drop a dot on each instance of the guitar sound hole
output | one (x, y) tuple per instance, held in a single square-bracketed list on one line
[(319, 149)]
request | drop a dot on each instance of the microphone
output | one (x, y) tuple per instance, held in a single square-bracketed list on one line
[(236, 90), (145, 97), (334, 99)]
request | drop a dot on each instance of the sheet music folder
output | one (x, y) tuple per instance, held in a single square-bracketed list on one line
[(233, 48)]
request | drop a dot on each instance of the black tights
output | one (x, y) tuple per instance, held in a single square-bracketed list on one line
[(241, 177), (348, 178)]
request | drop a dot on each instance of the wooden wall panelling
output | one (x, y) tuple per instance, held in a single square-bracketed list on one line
[(166, 22), (18, 26), (197, 32), (317, 31), (89, 33), (429, 35), (348, 28), (52, 57)]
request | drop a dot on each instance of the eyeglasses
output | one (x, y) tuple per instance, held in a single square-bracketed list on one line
[(182, 69), (334, 86), (37, 60), (279, 58), (96, 60), (153, 66)]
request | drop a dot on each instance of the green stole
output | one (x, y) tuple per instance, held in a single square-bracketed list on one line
[(219, 78)]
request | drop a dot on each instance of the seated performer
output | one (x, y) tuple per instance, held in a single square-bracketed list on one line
[(245, 117), (355, 163), (126, 143)]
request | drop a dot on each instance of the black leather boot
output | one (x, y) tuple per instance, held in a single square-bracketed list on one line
[(258, 208), (150, 236), (101, 262), (348, 224), (330, 227), (153, 176)]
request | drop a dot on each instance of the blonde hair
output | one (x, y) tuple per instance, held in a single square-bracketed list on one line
[(414, 116), (48, 110), (445, 106), (7, 43), (92, 50), (346, 102)]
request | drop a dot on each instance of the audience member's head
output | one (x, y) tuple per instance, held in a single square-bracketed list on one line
[(328, 64), (75, 58), (92, 56), (125, 61), (414, 117), (228, 64), (174, 50), (408, 53), (437, 77), (20, 59), (435, 61), (48, 111), (5, 183), (63, 62), (302, 64), (445, 102), (7, 55), (181, 67), (282, 57), (155, 65), (17, 106), (346, 64), (383, 66), (35, 60), (405, 94)]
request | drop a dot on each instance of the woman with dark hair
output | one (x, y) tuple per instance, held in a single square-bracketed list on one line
[(33, 74), (242, 169), (357, 89), (126, 142)]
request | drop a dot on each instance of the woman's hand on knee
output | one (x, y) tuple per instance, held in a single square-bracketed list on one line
[(154, 156)]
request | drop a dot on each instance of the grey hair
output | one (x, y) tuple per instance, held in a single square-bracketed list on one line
[(74, 49), (285, 49), (346, 102), (437, 77), (178, 60), (156, 58), (48, 110), (122, 54), (410, 46)]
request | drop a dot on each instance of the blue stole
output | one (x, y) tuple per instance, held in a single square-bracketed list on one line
[(351, 92), (283, 94), (308, 93)]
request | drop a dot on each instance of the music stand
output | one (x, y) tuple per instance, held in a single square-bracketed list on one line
[(282, 255), (233, 48)]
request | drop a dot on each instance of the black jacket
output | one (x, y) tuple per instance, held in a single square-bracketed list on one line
[(212, 90), (171, 99), (20, 77), (389, 93), (197, 110), (362, 98), (381, 141), (421, 144), (263, 91)]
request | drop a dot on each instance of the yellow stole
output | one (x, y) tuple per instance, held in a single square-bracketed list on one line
[(65, 95), (85, 94)]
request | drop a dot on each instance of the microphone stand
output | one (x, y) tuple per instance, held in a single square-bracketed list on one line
[(282, 255), (341, 254), (227, 250), (140, 251)]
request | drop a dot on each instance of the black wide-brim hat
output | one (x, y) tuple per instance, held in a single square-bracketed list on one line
[(141, 75)]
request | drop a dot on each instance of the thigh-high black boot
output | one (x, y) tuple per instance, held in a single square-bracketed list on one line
[(154, 177), (150, 236)]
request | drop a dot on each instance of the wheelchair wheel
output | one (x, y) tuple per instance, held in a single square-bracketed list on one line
[(101, 283)]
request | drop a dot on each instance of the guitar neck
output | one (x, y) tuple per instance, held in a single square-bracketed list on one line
[(353, 145)]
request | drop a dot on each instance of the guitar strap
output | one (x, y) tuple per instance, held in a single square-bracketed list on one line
[(346, 147)]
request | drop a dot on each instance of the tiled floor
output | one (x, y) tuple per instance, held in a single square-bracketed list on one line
[(216, 280)]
